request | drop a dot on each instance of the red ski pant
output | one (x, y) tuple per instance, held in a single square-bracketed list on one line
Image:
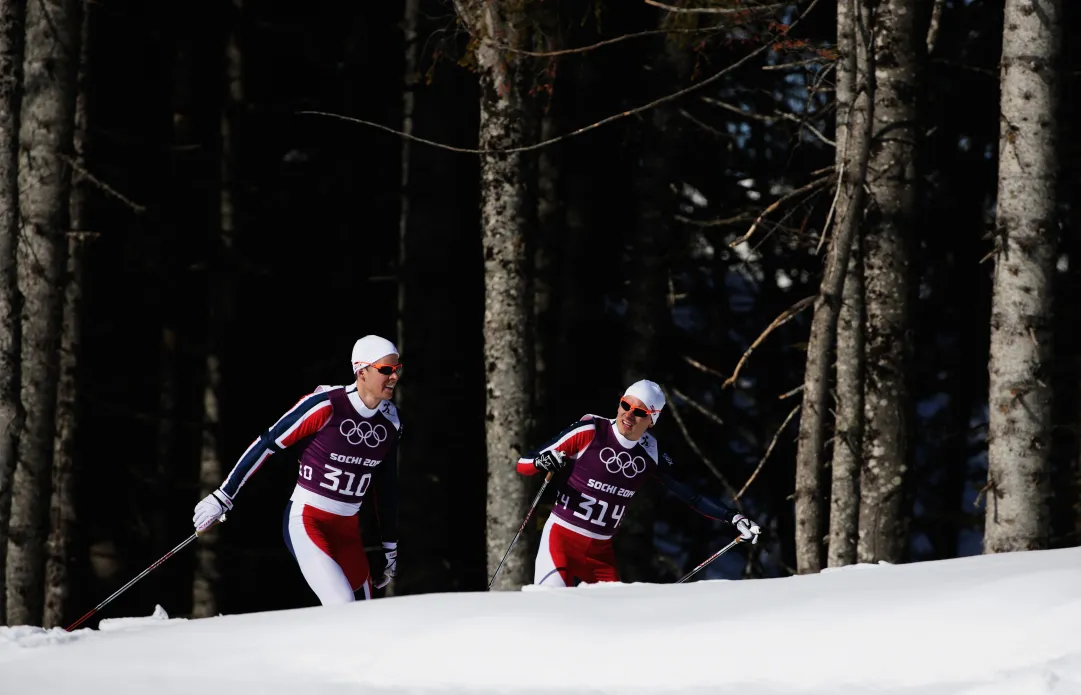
[(330, 552), (567, 557)]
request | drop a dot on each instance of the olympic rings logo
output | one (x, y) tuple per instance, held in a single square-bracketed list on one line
[(363, 432), (622, 462)]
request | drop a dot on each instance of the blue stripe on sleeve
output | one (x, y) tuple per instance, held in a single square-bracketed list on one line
[(267, 443)]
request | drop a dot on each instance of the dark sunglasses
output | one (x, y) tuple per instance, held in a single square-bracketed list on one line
[(633, 409), (386, 369)]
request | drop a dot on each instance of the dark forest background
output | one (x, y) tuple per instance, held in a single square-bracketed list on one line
[(317, 262)]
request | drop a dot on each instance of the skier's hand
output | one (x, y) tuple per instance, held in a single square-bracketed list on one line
[(210, 510), (748, 530), (550, 461), (390, 550)]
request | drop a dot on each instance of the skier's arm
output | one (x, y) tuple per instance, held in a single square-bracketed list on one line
[(386, 513), (748, 529), (304, 419), (690, 496), (570, 442), (385, 497)]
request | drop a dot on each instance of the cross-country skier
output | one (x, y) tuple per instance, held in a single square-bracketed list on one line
[(600, 464), (347, 439)]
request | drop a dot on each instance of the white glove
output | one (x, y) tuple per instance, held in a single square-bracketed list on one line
[(211, 510), (390, 550), (748, 530)]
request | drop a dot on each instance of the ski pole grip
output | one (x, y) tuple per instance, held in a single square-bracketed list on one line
[(220, 520)]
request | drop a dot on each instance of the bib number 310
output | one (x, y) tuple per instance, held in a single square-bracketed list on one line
[(332, 480)]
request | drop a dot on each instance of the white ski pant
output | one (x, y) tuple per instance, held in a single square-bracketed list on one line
[(329, 550)]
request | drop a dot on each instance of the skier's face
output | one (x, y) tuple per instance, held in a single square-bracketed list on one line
[(632, 418), (372, 382)]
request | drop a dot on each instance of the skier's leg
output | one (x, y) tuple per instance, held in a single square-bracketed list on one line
[(550, 568), (347, 549), (602, 556), (311, 547)]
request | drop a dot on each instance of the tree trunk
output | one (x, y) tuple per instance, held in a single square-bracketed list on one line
[(507, 214), (11, 415), (848, 443), (891, 182), (183, 210), (439, 271), (421, 543), (45, 136), (205, 587), (847, 447), (646, 280), (508, 341), (1019, 432), (547, 291), (809, 499), (62, 507)]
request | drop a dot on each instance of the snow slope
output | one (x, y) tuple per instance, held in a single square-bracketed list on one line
[(988, 625)]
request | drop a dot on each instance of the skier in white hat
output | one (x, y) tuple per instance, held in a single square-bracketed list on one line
[(600, 464), (347, 439)]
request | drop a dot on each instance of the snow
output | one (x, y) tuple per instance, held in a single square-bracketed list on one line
[(1005, 624)]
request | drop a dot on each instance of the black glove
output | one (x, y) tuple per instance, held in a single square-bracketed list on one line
[(550, 461)]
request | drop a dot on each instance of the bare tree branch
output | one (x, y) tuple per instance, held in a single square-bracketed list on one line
[(765, 456), (585, 129), (718, 10), (818, 60), (789, 394), (601, 44), (788, 314), (701, 367), (695, 448), (817, 183), (770, 120), (737, 219), (708, 128), (81, 171), (699, 407)]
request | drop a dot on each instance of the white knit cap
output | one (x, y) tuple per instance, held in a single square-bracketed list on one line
[(649, 393), (369, 349)]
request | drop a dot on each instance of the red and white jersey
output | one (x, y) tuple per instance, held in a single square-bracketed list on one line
[(604, 471), (344, 447)]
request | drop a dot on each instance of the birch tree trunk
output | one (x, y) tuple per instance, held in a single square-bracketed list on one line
[(810, 529), (11, 414), (62, 510), (205, 589), (891, 182), (45, 135), (507, 215), (1019, 432)]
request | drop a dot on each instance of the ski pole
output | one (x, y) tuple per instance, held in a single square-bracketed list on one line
[(142, 574), (711, 558), (521, 528)]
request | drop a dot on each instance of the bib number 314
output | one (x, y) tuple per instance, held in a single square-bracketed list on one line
[(595, 511)]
